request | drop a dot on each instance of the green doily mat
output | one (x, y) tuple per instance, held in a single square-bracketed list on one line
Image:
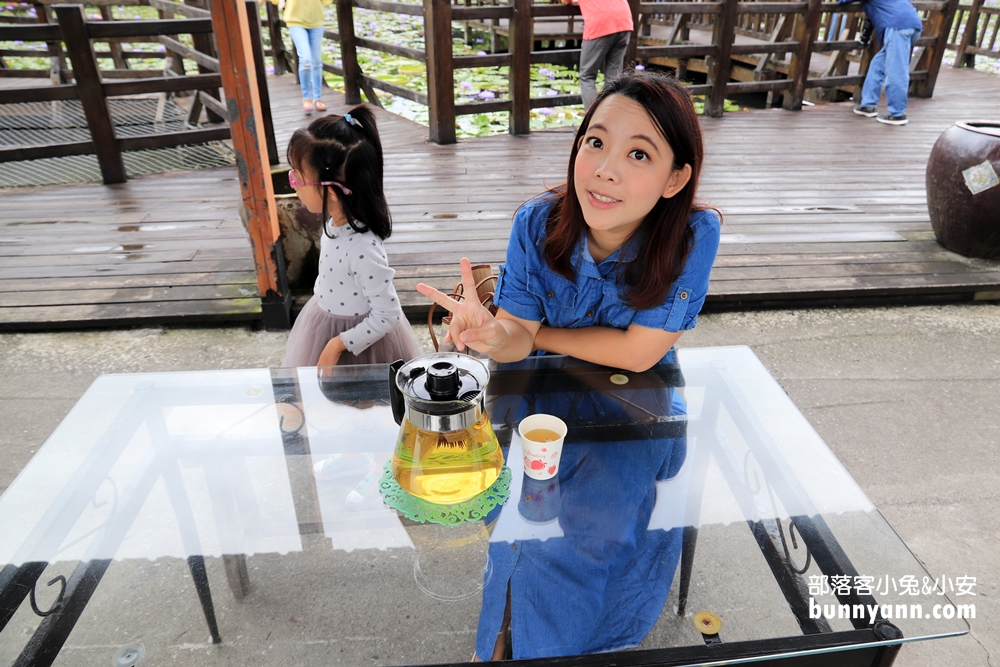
[(421, 511)]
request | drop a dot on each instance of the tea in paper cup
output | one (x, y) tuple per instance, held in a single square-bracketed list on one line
[(541, 442)]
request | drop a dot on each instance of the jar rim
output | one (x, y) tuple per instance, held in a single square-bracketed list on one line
[(990, 127)]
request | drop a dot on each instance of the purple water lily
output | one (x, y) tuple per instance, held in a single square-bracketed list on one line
[(543, 70), (338, 63), (545, 111), (487, 95), (480, 53), (551, 93), (466, 85), (376, 59)]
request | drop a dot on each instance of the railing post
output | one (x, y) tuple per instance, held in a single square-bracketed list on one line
[(206, 44), (939, 24), (633, 43), (804, 33), (520, 42), (57, 59), (963, 59), (239, 79), (440, 72), (718, 73), (348, 51), (278, 54), (257, 45), (73, 28)]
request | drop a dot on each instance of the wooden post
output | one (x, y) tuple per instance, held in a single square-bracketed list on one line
[(633, 44), (804, 32), (520, 40), (963, 59), (440, 72), (73, 28), (114, 46), (278, 54), (938, 24), (239, 79), (253, 14), (349, 51), (718, 73), (57, 58), (205, 43)]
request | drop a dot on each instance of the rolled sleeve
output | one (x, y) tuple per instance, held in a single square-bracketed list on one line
[(523, 252), (679, 312)]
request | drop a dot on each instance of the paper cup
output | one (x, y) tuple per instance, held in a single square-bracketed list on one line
[(541, 459)]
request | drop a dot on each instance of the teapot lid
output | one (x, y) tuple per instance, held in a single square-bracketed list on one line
[(443, 382)]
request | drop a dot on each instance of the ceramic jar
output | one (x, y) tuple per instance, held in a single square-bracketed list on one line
[(963, 188)]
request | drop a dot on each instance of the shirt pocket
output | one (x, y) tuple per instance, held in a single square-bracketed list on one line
[(678, 308), (616, 312), (556, 296)]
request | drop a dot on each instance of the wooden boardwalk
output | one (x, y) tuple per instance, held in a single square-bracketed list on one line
[(822, 207)]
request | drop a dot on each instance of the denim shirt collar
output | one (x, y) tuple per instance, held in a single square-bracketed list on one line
[(586, 265)]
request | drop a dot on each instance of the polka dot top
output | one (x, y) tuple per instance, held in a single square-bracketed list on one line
[(355, 279)]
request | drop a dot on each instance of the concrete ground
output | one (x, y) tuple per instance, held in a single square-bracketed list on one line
[(908, 399)]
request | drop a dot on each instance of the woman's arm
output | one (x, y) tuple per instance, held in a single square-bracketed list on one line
[(635, 349)]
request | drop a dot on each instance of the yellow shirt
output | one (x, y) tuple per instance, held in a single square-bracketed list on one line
[(304, 13)]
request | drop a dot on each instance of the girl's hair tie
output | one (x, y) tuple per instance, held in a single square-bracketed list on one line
[(351, 120)]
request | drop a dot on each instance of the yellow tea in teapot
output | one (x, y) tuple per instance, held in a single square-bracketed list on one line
[(447, 468)]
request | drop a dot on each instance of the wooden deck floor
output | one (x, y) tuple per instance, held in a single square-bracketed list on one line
[(821, 207)]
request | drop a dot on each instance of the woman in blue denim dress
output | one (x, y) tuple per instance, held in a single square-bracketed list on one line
[(609, 268)]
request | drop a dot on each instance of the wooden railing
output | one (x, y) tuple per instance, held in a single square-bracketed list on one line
[(70, 35), (798, 28), (980, 35)]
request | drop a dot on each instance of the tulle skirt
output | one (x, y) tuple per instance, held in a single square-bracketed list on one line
[(314, 328)]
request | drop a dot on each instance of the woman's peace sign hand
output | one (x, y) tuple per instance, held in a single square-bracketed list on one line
[(472, 324)]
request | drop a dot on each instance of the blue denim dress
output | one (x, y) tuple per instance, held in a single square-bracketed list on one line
[(602, 585), (529, 289)]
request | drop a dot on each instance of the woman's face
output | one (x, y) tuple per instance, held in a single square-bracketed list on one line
[(623, 167)]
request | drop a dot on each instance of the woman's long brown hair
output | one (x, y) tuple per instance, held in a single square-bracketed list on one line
[(663, 240)]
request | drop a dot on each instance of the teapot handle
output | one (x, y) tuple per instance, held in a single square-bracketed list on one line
[(395, 395)]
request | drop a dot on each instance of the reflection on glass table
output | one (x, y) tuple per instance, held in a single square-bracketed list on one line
[(235, 517)]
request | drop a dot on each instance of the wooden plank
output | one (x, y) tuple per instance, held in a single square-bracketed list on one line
[(106, 315)]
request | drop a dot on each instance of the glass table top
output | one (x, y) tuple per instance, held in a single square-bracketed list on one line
[(234, 517)]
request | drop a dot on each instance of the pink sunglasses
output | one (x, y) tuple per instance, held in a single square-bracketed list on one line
[(293, 180)]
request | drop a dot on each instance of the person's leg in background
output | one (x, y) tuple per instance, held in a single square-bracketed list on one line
[(593, 53), (872, 88), (898, 49), (303, 49), (316, 49), (614, 61)]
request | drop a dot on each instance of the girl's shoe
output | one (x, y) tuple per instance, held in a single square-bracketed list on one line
[(307, 107), (339, 465), (365, 495), (320, 106)]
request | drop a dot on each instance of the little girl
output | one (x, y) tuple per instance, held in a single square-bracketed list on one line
[(610, 268), (354, 316)]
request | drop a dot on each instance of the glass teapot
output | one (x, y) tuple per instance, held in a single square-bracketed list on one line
[(447, 451)]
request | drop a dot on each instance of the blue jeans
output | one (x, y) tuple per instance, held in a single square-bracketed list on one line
[(890, 66), (309, 47)]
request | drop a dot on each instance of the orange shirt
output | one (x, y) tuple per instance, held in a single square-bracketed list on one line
[(605, 17)]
